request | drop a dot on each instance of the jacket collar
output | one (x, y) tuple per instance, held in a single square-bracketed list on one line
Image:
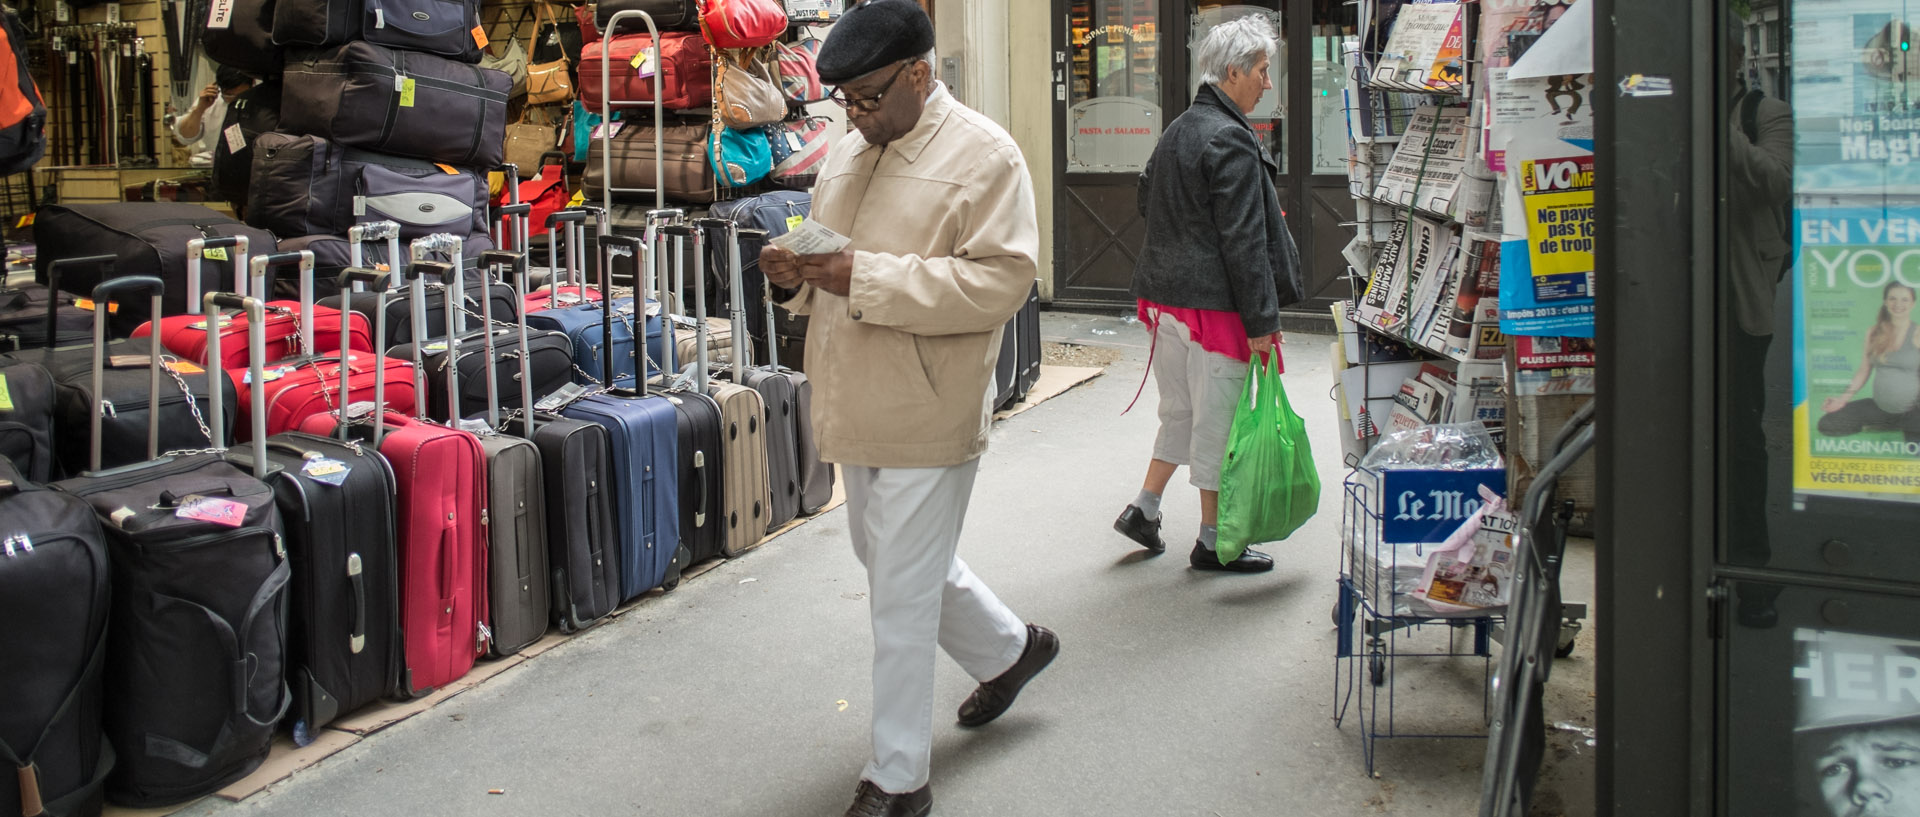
[(914, 142), (1210, 95)]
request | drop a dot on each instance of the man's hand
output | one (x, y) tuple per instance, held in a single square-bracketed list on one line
[(207, 96), (1263, 344), (781, 267), (829, 273)]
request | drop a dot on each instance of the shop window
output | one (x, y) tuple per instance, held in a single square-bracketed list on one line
[(1114, 116)]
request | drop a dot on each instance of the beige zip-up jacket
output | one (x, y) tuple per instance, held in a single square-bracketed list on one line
[(946, 245)]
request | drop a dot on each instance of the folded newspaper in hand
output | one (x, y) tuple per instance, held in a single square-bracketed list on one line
[(810, 238)]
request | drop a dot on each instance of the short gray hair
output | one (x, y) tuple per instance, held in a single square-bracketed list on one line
[(1237, 44)]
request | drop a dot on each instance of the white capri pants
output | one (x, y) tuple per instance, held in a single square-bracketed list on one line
[(1198, 390)]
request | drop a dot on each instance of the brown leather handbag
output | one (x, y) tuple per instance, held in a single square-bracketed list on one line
[(529, 140), (547, 82), (683, 160)]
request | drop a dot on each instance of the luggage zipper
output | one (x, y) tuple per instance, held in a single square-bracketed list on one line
[(17, 544), (202, 540)]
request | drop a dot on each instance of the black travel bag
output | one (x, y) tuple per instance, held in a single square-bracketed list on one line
[(308, 185), (26, 419), (23, 319), (54, 600), (197, 635), (399, 102), (239, 34), (145, 238), (442, 27), (254, 113)]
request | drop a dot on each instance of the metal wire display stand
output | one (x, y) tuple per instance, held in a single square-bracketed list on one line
[(1375, 635)]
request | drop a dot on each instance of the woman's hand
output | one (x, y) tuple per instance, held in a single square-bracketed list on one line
[(1834, 404), (1263, 344)]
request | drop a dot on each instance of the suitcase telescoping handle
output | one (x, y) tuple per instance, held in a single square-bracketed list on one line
[(658, 219), (681, 232), (197, 250), (360, 235), (497, 262), (256, 311), (573, 219), (517, 213), (766, 294), (526, 374), (737, 300), (624, 246), (304, 261), (380, 281), (416, 273), (104, 262), (103, 298)]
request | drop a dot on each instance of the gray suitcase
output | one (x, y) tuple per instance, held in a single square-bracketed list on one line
[(745, 498), (776, 388), (408, 104), (309, 185)]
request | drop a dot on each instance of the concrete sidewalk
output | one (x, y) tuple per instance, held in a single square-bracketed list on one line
[(747, 691)]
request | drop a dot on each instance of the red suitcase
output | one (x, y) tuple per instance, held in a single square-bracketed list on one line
[(440, 479), (565, 287), (686, 71), (186, 335)]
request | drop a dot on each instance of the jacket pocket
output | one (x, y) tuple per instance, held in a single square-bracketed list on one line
[(916, 364)]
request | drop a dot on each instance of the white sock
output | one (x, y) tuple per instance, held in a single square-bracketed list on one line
[(1148, 502), (1209, 534)]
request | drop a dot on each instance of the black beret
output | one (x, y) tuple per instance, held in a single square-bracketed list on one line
[(870, 36)]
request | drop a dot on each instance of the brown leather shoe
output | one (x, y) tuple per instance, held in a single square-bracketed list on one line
[(870, 801), (992, 698)]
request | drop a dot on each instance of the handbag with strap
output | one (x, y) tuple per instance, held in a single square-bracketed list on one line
[(548, 81), (738, 157), (799, 150), (512, 62), (745, 94), (528, 142), (799, 77), (743, 23)]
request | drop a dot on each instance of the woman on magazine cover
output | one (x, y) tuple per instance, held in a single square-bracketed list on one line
[(1891, 360)]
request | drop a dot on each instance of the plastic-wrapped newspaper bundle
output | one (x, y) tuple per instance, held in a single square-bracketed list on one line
[(1422, 485)]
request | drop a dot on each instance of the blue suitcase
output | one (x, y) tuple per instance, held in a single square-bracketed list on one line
[(586, 326), (643, 433)]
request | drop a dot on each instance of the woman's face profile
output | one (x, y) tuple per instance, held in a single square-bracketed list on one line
[(1899, 301)]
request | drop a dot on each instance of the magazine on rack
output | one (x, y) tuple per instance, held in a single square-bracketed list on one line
[(1420, 35), (1417, 252), (1426, 170), (1423, 399)]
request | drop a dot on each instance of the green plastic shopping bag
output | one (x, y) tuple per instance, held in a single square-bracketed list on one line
[(1268, 484)]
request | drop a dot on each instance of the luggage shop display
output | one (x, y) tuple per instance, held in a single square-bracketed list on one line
[(777, 388), (400, 315), (772, 213), (333, 254), (703, 532), (252, 113), (54, 598), (399, 102), (199, 581), (309, 185), (440, 481), (144, 237), (483, 354), (592, 326), (642, 431), (687, 176), (745, 496), (685, 76), (188, 335), (441, 27)]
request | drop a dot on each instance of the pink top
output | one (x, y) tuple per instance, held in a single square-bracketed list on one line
[(1218, 331)]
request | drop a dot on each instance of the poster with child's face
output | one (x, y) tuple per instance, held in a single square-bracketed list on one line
[(1856, 724)]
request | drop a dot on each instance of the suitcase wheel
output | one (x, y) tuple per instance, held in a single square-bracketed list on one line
[(680, 559)]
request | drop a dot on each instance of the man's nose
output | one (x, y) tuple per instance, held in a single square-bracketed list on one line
[(1867, 789)]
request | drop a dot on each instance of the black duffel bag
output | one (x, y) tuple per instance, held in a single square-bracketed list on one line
[(307, 185), (239, 34), (440, 27), (668, 15), (255, 113), (408, 104), (145, 238)]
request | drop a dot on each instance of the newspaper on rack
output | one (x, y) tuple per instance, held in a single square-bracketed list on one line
[(1415, 45), (1420, 247), (1426, 170)]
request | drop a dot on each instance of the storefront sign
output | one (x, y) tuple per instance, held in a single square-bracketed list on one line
[(1112, 134)]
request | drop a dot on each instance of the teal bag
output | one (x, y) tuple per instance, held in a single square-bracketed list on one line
[(739, 157), (1269, 485)]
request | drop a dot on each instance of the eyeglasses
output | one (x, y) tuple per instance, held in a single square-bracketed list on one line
[(871, 103)]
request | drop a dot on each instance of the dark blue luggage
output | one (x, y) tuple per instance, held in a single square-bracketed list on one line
[(643, 433), (585, 324)]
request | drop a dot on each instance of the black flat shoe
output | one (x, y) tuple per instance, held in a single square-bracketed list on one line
[(870, 801), (1250, 561), (1136, 526), (992, 698)]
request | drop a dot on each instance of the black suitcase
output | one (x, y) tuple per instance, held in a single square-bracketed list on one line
[(443, 27), (23, 319), (308, 185), (148, 238), (336, 500), (54, 600), (186, 421), (197, 635), (549, 356), (254, 113), (26, 419), (772, 214), (239, 34), (703, 535), (407, 104), (668, 15), (504, 302)]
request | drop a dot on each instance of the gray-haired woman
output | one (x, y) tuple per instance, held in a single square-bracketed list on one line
[(1217, 266)]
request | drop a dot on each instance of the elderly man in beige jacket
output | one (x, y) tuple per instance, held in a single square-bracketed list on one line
[(901, 345)]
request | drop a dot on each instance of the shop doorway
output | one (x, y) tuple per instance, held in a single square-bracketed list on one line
[(1124, 68)]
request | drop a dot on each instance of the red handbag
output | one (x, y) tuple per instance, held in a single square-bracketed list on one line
[(546, 191), (742, 23)]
